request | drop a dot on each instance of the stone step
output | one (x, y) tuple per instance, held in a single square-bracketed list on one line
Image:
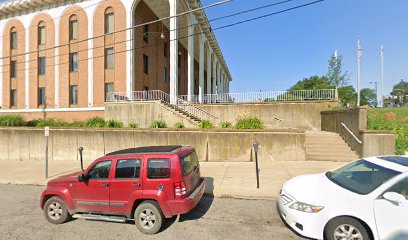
[(328, 147), (331, 159)]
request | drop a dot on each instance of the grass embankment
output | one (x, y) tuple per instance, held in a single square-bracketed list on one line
[(395, 119)]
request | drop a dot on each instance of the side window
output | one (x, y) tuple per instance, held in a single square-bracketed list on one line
[(127, 169), (158, 168), (100, 170), (401, 188)]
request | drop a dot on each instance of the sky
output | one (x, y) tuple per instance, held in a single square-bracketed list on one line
[(274, 53)]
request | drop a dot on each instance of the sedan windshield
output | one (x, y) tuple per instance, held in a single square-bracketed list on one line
[(361, 177)]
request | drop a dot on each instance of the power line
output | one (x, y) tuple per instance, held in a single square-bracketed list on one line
[(123, 30), (128, 40), (215, 29)]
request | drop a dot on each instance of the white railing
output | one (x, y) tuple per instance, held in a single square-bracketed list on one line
[(273, 96), (156, 95), (351, 133)]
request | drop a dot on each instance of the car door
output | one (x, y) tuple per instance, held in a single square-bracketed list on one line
[(392, 218), (126, 185), (92, 195)]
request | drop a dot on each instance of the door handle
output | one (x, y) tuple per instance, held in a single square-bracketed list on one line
[(135, 184), (105, 184)]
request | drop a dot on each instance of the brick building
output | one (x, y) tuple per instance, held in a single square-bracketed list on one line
[(64, 58)]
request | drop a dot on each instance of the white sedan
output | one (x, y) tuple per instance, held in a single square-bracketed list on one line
[(364, 200)]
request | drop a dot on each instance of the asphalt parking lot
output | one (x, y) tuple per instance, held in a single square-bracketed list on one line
[(213, 218)]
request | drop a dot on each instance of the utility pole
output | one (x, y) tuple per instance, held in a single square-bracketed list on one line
[(376, 92)]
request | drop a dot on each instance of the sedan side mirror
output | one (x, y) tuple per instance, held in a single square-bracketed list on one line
[(394, 197), (82, 178)]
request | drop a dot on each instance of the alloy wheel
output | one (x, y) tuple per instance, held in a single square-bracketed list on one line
[(147, 219), (347, 232), (55, 211)]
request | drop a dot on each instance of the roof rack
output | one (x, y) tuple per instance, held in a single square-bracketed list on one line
[(144, 150)]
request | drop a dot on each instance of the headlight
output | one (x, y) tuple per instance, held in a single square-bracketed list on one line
[(307, 208)]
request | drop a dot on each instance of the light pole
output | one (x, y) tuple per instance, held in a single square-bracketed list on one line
[(376, 91)]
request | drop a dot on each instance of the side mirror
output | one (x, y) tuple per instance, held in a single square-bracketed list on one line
[(394, 197), (82, 178)]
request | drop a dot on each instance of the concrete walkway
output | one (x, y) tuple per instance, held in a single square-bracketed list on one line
[(224, 179)]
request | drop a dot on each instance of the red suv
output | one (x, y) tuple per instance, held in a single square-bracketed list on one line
[(147, 184)]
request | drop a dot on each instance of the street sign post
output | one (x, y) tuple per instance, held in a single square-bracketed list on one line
[(256, 147)]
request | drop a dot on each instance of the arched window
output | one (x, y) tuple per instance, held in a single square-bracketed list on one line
[(41, 33), (109, 20), (73, 28), (13, 38)]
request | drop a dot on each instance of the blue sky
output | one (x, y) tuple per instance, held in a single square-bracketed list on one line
[(276, 52)]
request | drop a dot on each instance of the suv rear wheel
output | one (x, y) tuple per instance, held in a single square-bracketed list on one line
[(346, 228), (149, 217), (56, 211)]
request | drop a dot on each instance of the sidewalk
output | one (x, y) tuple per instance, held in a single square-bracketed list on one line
[(224, 179)]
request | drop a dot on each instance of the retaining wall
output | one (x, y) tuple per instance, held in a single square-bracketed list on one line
[(28, 144)]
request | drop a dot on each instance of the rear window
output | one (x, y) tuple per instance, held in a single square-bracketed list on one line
[(127, 169), (189, 162), (158, 168)]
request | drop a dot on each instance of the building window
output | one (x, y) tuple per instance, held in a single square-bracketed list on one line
[(73, 28), (13, 69), (146, 64), (109, 90), (73, 62), (109, 58), (165, 49), (73, 95), (165, 74), (145, 33), (13, 39), (109, 21), (41, 96), (41, 33), (13, 98), (41, 66)]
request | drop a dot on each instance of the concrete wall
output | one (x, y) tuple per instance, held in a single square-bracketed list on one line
[(374, 143), (305, 115), (28, 144)]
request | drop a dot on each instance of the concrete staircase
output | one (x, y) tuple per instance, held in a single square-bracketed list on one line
[(327, 146)]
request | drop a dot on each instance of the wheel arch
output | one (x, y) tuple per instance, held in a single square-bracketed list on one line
[(367, 227)]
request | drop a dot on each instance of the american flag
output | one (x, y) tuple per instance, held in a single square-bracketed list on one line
[(360, 50)]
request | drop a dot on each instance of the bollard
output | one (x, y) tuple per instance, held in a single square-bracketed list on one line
[(81, 149), (256, 147)]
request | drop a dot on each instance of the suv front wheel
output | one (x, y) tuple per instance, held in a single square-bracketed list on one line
[(56, 211), (149, 217)]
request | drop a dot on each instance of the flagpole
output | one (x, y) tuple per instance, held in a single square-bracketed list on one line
[(382, 77), (358, 73)]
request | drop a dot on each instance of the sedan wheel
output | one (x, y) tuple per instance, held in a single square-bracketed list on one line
[(347, 232), (346, 228)]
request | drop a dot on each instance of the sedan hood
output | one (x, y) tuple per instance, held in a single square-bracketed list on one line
[(315, 189)]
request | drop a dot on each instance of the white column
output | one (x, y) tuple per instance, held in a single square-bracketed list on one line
[(214, 79), (219, 78), (190, 87), (57, 66), (27, 69), (173, 52), (90, 68), (209, 72), (201, 73)]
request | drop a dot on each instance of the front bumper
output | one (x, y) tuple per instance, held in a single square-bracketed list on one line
[(186, 205), (309, 225)]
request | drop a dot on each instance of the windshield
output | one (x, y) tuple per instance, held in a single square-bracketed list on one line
[(189, 163), (361, 177)]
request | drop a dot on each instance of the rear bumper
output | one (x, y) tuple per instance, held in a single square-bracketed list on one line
[(186, 205)]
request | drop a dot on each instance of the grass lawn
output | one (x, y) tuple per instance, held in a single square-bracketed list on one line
[(391, 119)]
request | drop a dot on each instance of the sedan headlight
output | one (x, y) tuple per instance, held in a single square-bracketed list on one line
[(307, 208)]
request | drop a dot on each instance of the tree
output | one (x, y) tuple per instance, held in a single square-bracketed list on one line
[(347, 94), (314, 82), (335, 74), (400, 90), (368, 97)]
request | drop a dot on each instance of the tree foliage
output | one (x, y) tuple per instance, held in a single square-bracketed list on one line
[(314, 82), (335, 74), (400, 89), (368, 97)]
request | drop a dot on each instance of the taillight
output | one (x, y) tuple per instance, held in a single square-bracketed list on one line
[(180, 190)]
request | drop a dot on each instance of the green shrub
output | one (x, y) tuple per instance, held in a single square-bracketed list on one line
[(11, 120), (77, 124), (52, 122), (33, 123), (134, 125), (179, 125), (206, 124), (159, 124), (249, 122), (226, 125), (95, 122), (114, 124)]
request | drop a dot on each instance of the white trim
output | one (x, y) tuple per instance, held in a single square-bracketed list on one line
[(190, 61), (53, 110)]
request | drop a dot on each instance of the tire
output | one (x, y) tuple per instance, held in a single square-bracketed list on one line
[(149, 217), (346, 227), (55, 211)]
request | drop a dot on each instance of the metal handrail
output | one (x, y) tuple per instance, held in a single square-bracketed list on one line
[(351, 133)]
